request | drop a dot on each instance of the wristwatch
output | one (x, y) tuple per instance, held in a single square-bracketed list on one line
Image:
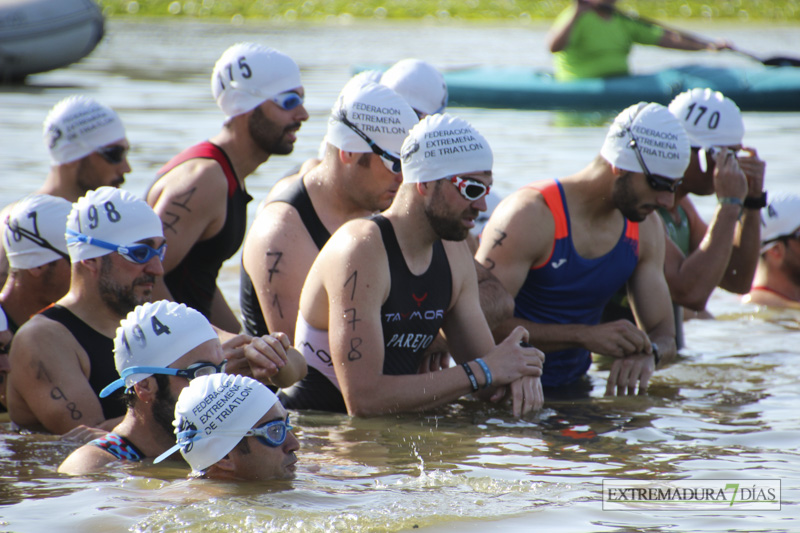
[(656, 355), (756, 202)]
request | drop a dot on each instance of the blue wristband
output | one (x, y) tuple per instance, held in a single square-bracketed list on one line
[(486, 372)]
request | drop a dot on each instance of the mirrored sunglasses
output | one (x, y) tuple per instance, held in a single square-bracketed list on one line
[(113, 154), (288, 100), (657, 183), (272, 434), (135, 253), (471, 189), (390, 161)]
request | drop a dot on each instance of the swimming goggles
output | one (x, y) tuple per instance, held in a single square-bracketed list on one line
[(657, 183), (272, 434), (288, 100), (135, 253), (390, 161), (195, 370), (471, 189), (113, 154), (38, 240)]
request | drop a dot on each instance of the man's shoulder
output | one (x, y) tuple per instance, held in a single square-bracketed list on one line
[(86, 459), (524, 206), (42, 330), (355, 240), (205, 176)]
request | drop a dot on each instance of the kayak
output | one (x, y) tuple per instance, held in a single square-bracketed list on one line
[(41, 35), (766, 88)]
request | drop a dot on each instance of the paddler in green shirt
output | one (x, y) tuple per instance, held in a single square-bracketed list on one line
[(592, 39)]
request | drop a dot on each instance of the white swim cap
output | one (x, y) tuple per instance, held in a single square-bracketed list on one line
[(34, 231), (111, 215), (213, 414), (441, 146), (422, 86), (362, 78), (661, 139), (248, 74), (377, 111), (79, 125), (709, 118), (781, 217), (156, 334)]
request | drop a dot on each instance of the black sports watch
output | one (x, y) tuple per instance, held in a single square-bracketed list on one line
[(756, 202), (656, 355)]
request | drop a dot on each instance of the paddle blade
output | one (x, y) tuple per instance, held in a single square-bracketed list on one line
[(782, 62)]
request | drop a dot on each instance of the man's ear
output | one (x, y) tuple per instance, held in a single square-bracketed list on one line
[(93, 265), (37, 272), (146, 389), (347, 157), (776, 252), (225, 464), (617, 171), (423, 188)]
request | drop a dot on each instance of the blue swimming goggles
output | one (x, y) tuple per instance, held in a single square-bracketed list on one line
[(272, 434), (192, 371), (135, 253), (288, 100)]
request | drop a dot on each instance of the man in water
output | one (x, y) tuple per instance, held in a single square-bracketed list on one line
[(200, 194), (115, 244), (593, 234), (381, 289), (158, 349), (233, 428), (33, 238), (777, 279), (724, 253), (359, 176), (700, 257), (592, 39), (88, 149)]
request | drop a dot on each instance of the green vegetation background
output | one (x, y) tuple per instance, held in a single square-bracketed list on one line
[(521, 10)]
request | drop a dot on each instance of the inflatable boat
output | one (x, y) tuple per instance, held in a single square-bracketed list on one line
[(763, 88), (41, 35)]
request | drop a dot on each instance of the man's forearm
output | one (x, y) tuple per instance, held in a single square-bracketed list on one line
[(703, 269), (744, 256)]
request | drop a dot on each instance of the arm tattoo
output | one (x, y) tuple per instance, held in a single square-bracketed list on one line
[(353, 320), (182, 201), (277, 304), (499, 240), (354, 277), (354, 354), (274, 268), (491, 266), (57, 394), (41, 373), (174, 219)]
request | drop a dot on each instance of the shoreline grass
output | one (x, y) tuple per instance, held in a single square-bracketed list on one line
[(472, 10)]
